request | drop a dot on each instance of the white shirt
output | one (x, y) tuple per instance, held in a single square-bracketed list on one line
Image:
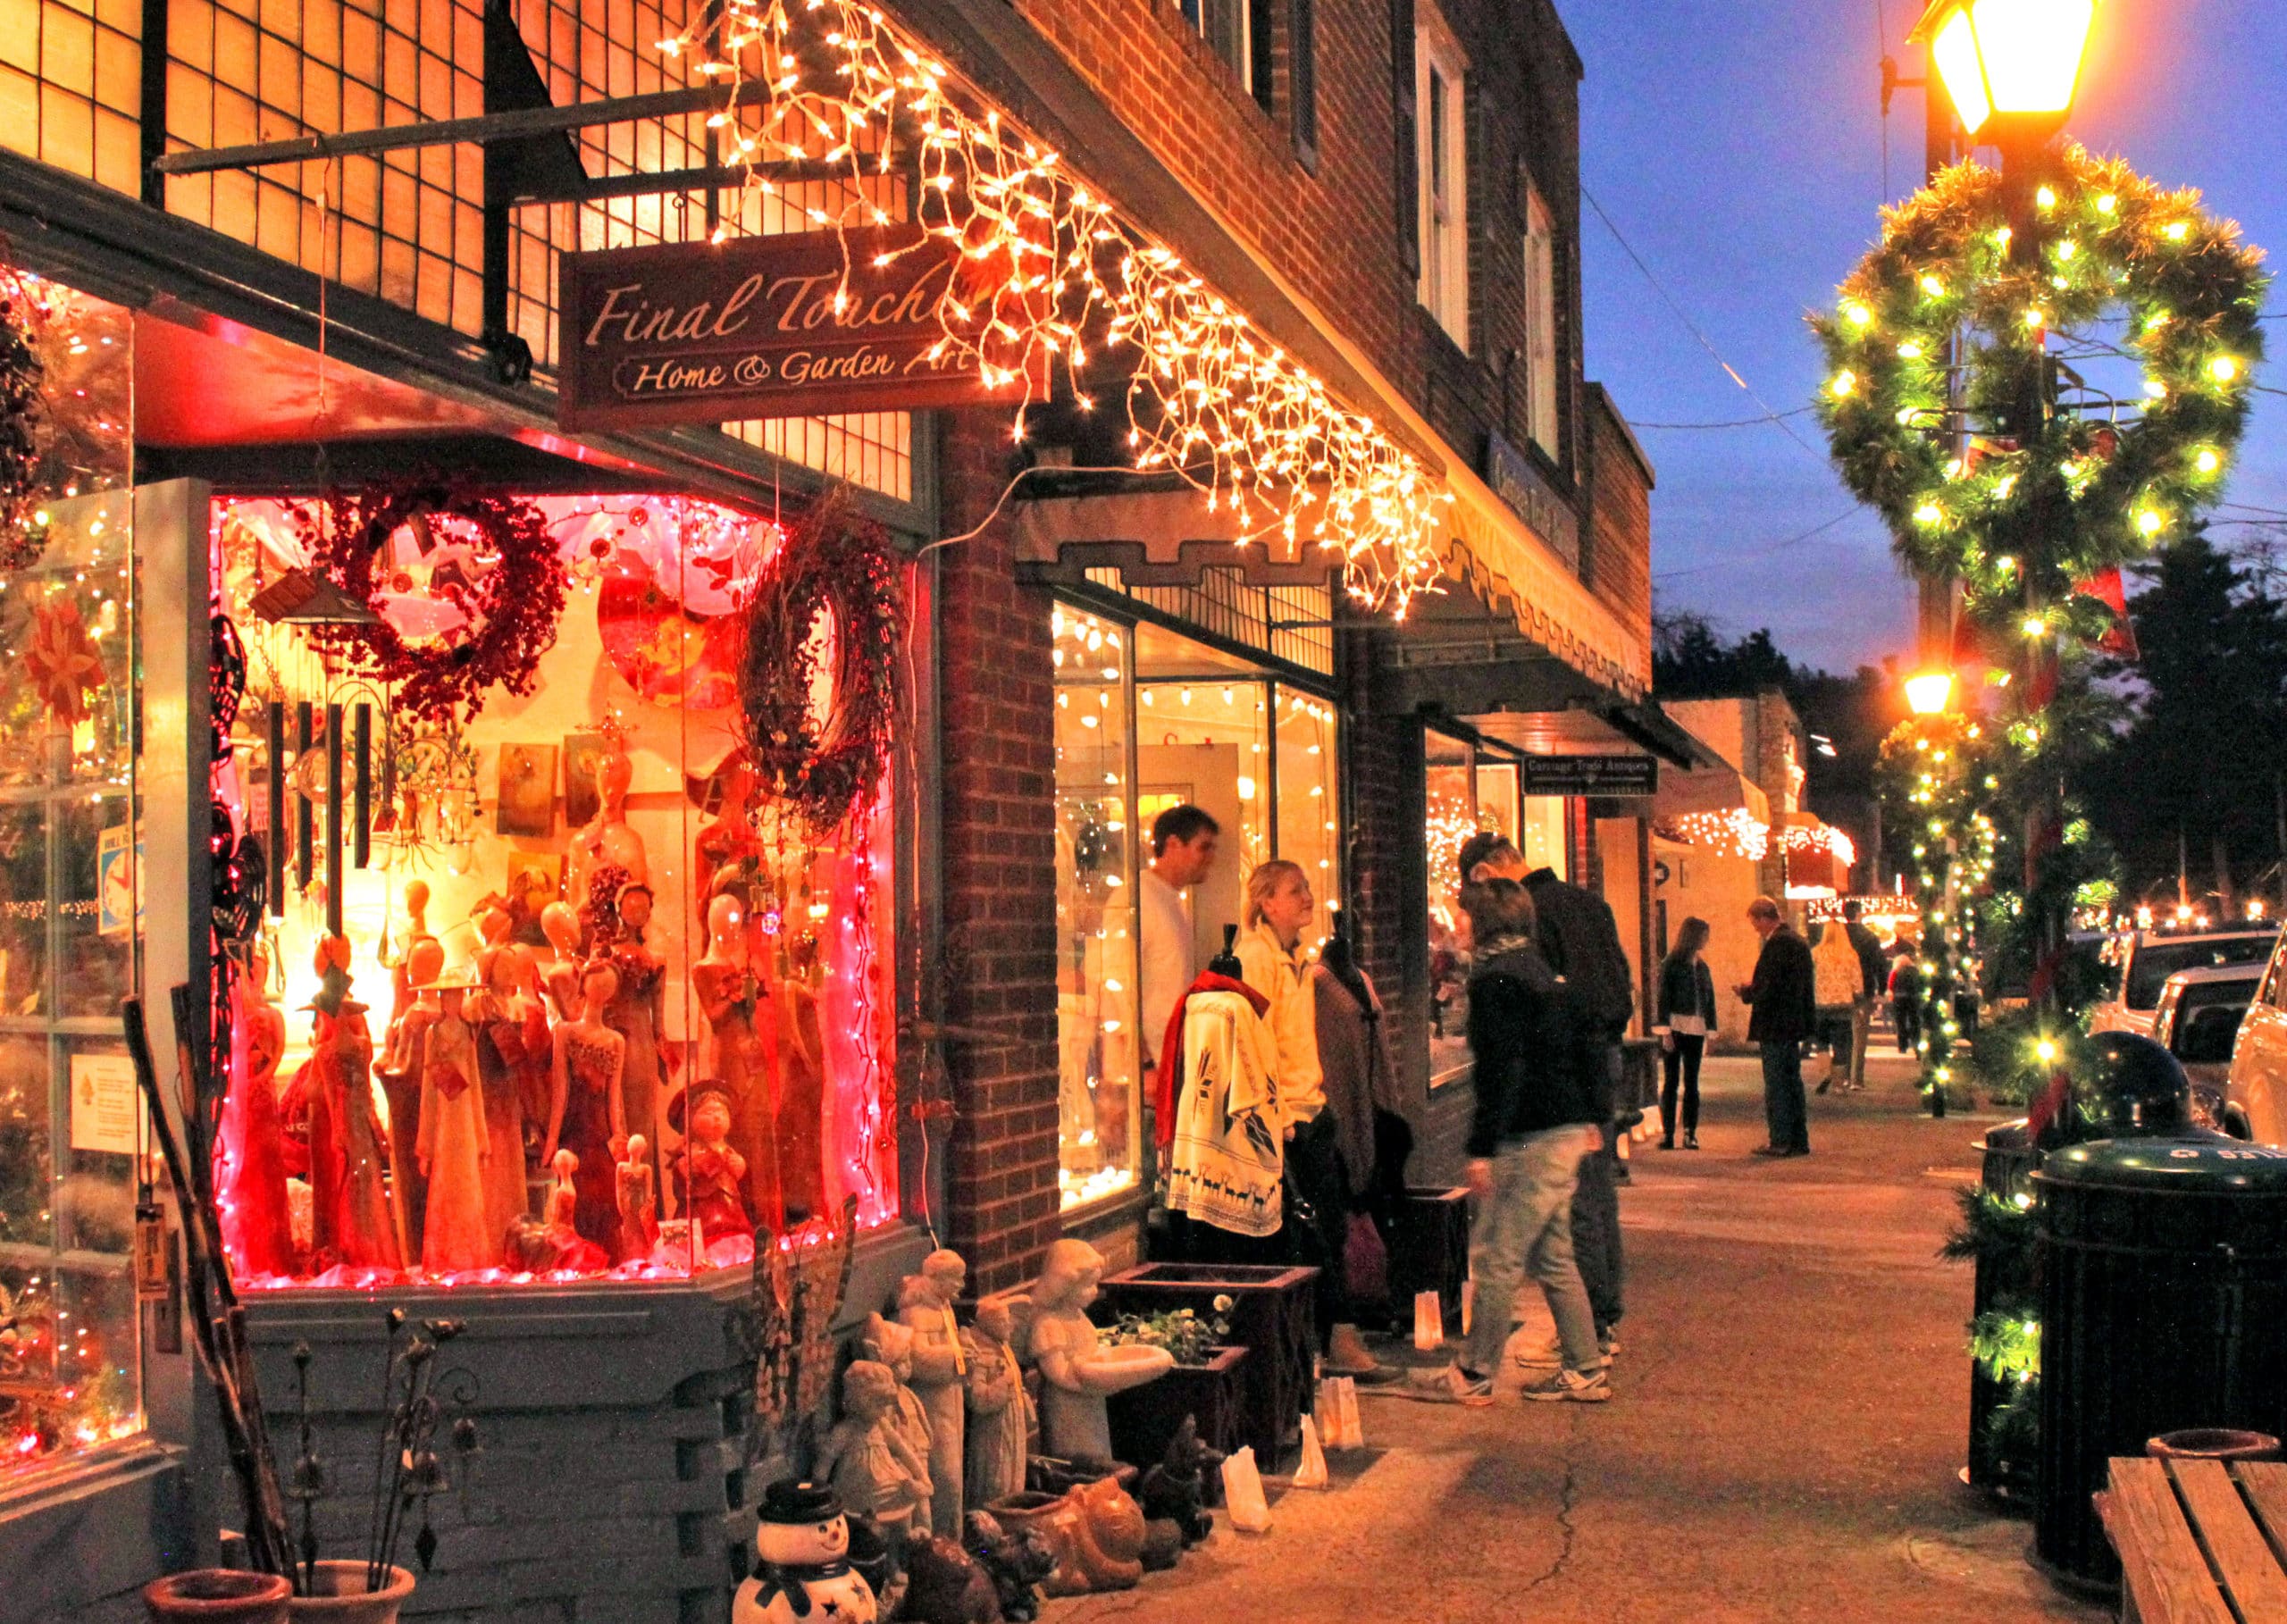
[(1170, 958)]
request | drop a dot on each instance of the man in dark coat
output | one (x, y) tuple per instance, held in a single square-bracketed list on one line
[(1784, 1012)]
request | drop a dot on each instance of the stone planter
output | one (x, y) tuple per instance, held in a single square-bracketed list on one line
[(338, 1596), (2213, 1443), (1273, 1315), (1144, 1420), (217, 1595)]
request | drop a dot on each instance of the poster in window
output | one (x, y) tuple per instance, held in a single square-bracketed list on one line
[(103, 1103)]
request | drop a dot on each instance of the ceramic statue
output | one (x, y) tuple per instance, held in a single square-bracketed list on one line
[(1078, 1371), (706, 1166), (802, 1572), (1175, 1490), (1018, 1560), (559, 922), (608, 841), (638, 1185), (512, 1059), (349, 1151), (455, 1144), (890, 1342), (637, 1011), (868, 1459), (585, 1113), (252, 1180), (402, 1046), (999, 1422), (944, 1584), (939, 1377), (728, 993)]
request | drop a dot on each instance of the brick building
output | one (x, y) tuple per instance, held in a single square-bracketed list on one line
[(1387, 191)]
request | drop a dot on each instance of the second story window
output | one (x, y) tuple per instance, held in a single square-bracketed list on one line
[(1238, 31), (1542, 352), (1442, 146)]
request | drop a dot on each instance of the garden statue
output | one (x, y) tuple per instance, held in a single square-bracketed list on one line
[(1018, 1560), (1078, 1372), (802, 1572), (944, 1584), (1175, 1490), (877, 1472), (940, 1378), (1000, 1420), (890, 1342)]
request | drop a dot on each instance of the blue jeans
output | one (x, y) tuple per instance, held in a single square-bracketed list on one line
[(1526, 1228), (1784, 1110)]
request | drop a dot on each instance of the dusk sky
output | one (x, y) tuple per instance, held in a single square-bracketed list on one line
[(1737, 146)]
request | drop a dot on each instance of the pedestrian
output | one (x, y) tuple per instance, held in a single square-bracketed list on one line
[(1685, 1016), (1783, 1012), (1536, 1119), (1183, 855), (1276, 963), (1874, 975), (1905, 1001), (1838, 984)]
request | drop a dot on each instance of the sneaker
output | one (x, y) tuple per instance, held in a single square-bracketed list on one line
[(1561, 1385), (1691, 1141), (1541, 1356), (1451, 1385)]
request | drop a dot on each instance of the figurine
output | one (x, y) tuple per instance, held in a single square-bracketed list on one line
[(637, 1011), (1017, 1561), (940, 1378), (802, 1572), (727, 990), (1001, 1412), (878, 1472), (561, 925), (1175, 1489), (638, 1185), (400, 1072), (798, 1122), (455, 1145), (331, 959), (585, 1113), (608, 840), (729, 842), (944, 1584), (252, 1173), (353, 1216), (890, 1342), (1077, 1371), (512, 1058), (711, 1175), (1112, 1535)]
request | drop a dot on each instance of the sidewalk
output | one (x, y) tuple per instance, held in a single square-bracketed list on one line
[(1792, 1394)]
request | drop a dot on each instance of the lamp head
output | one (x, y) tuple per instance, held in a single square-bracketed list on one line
[(2011, 66), (1929, 692)]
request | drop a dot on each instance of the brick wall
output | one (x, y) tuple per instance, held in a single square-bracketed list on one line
[(997, 968), (1618, 558)]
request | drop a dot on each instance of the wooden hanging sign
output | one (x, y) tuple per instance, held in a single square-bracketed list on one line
[(792, 326)]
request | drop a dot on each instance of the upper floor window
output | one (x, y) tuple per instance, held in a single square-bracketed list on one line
[(1239, 31), (1541, 350), (1442, 147)]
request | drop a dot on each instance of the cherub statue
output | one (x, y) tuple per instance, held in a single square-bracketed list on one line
[(867, 1459)]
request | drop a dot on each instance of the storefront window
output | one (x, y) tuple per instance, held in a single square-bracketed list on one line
[(1099, 1063), (571, 921), (1450, 818), (1307, 792), (1203, 738), (70, 1124)]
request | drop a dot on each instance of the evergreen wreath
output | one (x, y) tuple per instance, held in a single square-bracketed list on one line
[(834, 562), (2114, 477), (511, 606), (23, 531)]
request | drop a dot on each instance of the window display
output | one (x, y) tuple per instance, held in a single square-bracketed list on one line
[(573, 968)]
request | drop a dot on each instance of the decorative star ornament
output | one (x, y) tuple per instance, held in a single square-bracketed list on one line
[(63, 661)]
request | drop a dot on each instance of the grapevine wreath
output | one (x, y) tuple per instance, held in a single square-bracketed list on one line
[(509, 592), (834, 563), (2122, 268)]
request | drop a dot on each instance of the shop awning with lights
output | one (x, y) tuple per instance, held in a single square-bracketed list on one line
[(1716, 809), (1817, 854)]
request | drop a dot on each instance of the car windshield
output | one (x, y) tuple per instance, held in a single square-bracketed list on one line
[(2155, 961)]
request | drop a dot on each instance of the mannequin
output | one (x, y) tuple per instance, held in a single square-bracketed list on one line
[(730, 839), (512, 1059), (727, 993), (455, 1144), (559, 922), (710, 1173), (999, 1421), (608, 839), (353, 1216), (637, 1011), (416, 914), (586, 1113), (402, 1048), (251, 1177), (1077, 1371), (638, 1187), (939, 1377)]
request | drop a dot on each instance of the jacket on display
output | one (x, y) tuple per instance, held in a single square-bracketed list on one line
[(1219, 1115)]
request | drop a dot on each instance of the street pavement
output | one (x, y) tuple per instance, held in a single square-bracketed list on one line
[(1789, 1418)]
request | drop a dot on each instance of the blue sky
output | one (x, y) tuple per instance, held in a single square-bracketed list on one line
[(1737, 145)]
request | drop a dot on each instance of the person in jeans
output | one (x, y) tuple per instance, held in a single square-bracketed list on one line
[(1685, 1016), (1537, 1116), (1906, 998), (1874, 971), (1784, 1013)]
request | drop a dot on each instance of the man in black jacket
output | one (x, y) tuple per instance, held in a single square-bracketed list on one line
[(1784, 1007)]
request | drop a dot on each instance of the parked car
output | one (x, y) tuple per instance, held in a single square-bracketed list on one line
[(2255, 1094), (2198, 1020), (2148, 958)]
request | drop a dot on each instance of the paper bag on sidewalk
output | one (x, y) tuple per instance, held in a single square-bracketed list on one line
[(1469, 1304), (1337, 1411), (1429, 1321), (1242, 1495), (1311, 1473)]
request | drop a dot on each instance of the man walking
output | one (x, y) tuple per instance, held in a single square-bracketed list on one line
[(1874, 971), (1783, 1013)]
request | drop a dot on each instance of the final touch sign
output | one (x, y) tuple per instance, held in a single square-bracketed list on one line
[(793, 326)]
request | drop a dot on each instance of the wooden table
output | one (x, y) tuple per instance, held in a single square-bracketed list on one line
[(2192, 1539)]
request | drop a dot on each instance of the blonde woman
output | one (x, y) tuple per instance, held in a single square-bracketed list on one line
[(1276, 964)]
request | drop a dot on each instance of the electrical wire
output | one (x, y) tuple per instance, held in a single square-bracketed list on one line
[(1760, 552), (1736, 422)]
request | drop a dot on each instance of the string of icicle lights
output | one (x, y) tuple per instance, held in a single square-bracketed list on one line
[(1047, 263)]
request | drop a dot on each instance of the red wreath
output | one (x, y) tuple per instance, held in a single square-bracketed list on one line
[(509, 593)]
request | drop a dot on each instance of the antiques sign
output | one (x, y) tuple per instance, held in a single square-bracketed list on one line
[(791, 326), (1591, 776)]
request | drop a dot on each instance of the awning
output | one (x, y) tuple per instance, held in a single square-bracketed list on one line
[(1818, 855), (1715, 809)]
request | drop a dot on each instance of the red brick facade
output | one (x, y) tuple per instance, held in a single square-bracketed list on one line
[(1618, 558)]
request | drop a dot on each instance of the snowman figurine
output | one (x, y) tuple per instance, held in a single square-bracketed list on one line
[(802, 1572)]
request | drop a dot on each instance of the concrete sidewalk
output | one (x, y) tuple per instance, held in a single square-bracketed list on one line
[(1790, 1413)]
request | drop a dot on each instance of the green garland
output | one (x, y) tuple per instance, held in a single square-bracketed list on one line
[(2112, 245)]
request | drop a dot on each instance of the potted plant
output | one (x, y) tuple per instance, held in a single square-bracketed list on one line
[(1207, 1384)]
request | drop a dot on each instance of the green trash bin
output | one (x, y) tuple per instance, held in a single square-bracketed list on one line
[(2163, 1269)]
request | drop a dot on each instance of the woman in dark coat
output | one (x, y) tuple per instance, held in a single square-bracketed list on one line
[(1685, 1016)]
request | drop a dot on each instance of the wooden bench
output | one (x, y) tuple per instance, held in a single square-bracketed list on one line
[(2199, 1542)]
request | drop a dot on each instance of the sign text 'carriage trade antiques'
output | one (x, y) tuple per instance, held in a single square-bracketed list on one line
[(792, 326)]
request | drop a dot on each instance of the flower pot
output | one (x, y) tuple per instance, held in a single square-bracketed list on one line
[(217, 1595), (1144, 1420), (2213, 1443), (338, 1596)]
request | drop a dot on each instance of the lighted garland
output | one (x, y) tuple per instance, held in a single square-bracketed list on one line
[(1937, 783), (834, 563), (2107, 479), (23, 528), (1052, 262), (511, 595)]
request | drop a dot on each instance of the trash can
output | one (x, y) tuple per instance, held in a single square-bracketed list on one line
[(2009, 1157), (2162, 1267)]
